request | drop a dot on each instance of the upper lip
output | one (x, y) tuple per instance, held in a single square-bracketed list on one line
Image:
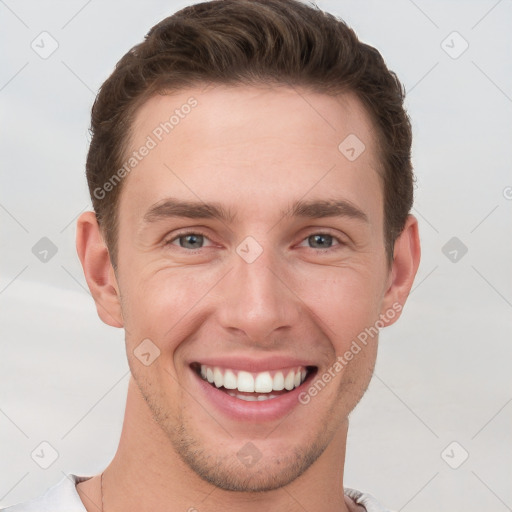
[(255, 365)]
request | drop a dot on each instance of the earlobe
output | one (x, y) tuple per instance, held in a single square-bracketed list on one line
[(407, 255), (98, 271)]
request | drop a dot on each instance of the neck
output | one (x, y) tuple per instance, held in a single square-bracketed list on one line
[(147, 474)]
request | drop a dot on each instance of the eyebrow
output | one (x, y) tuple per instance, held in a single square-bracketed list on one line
[(317, 209), (312, 209), (171, 207)]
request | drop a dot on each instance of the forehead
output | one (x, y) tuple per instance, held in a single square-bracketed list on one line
[(243, 145)]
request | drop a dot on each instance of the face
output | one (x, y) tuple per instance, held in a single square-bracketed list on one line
[(251, 255)]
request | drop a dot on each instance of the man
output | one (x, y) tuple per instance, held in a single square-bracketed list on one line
[(251, 179)]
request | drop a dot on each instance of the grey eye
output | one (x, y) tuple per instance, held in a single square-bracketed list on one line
[(191, 241), (320, 241)]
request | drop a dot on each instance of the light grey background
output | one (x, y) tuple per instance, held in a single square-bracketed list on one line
[(443, 372)]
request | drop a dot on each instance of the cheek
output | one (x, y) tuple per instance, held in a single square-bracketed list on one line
[(157, 305), (344, 301)]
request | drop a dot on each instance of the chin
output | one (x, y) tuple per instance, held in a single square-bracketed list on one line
[(243, 465), (243, 471)]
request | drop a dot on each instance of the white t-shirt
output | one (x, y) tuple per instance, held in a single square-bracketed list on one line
[(63, 497)]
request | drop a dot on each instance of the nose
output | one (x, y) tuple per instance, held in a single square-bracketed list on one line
[(258, 300)]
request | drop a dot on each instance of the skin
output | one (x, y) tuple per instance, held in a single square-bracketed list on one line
[(255, 151)]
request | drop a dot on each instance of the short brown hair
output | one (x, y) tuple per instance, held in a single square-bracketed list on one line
[(251, 42)]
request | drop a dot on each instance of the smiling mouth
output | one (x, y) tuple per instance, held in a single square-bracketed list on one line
[(251, 386)]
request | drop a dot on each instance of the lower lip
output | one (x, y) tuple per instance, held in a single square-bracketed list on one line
[(257, 411)]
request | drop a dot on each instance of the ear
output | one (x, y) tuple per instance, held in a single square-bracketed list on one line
[(406, 260), (98, 270)]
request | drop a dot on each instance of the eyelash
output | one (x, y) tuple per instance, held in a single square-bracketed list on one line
[(340, 242)]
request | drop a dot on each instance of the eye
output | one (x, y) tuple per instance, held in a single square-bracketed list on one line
[(322, 241), (196, 240), (190, 240)]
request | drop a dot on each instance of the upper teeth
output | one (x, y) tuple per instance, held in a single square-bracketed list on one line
[(263, 382)]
